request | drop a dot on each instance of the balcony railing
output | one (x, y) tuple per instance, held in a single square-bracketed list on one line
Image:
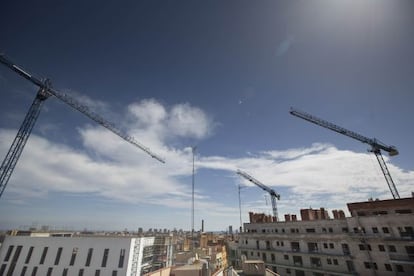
[(402, 257)]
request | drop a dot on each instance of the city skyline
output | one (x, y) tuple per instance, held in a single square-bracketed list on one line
[(219, 76)]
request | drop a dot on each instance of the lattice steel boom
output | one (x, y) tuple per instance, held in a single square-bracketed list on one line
[(376, 146), (23, 134), (273, 194)]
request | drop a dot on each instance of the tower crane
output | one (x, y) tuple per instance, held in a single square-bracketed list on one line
[(272, 193), (44, 92), (376, 146)]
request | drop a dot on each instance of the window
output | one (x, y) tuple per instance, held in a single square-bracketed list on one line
[(329, 261), (268, 245), (97, 272), (370, 265), (407, 231), (273, 257), (312, 247), (377, 213), (330, 230), (364, 247), (14, 260), (65, 272), (350, 266), (286, 257), (295, 246), (375, 230), (73, 257), (287, 270), (283, 230), (81, 272), (315, 262), (392, 248), (264, 257), (34, 271), (404, 211), (42, 259), (121, 258), (381, 247), (104, 258), (325, 245), (310, 230), (335, 261), (281, 243), (292, 230), (89, 257), (49, 271), (8, 254), (297, 260), (345, 249), (29, 255), (114, 273), (345, 230), (399, 268), (331, 245), (277, 243), (385, 230), (23, 271), (323, 229), (58, 254), (388, 267), (257, 245), (3, 268)]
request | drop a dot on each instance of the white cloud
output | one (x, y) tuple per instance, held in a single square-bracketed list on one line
[(188, 121), (321, 173), (148, 112), (110, 168)]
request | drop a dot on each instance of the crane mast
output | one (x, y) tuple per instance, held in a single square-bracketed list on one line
[(376, 146), (272, 193), (45, 91)]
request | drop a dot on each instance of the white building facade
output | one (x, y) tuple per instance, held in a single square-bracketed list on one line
[(68, 256), (378, 239)]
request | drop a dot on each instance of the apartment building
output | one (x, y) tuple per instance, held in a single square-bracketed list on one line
[(91, 255), (378, 239)]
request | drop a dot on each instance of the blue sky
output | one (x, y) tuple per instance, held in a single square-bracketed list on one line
[(221, 75)]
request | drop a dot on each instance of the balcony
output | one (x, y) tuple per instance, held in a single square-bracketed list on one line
[(402, 258)]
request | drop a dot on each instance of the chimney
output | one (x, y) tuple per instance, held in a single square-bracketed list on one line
[(287, 217)]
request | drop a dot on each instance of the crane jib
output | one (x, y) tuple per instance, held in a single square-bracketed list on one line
[(376, 146), (45, 91)]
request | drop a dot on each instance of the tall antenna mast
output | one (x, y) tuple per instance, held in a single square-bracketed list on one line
[(193, 149)]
